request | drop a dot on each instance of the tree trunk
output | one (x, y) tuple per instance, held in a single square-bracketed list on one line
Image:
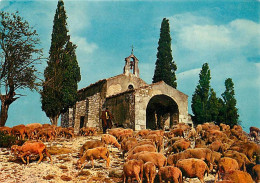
[(6, 101), (4, 113), (54, 120)]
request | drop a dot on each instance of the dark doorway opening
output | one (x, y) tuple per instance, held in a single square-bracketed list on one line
[(82, 118), (161, 111)]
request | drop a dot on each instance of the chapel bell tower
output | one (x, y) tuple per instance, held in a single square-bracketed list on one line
[(131, 65)]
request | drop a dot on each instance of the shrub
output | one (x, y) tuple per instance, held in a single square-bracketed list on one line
[(6, 140)]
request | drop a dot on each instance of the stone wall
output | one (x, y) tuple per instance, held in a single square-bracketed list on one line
[(94, 110), (120, 84), (80, 111), (144, 94), (122, 108)]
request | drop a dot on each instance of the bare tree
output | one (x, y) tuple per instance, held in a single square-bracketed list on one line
[(19, 55)]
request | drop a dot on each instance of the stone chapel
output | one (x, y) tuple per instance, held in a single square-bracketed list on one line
[(132, 102)]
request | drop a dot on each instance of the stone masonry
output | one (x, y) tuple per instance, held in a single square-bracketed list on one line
[(131, 101)]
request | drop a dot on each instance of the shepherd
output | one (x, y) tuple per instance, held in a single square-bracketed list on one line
[(106, 120)]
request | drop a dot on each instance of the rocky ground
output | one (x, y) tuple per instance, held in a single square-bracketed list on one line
[(64, 153)]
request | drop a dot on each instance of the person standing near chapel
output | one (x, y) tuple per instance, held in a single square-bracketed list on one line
[(106, 117)]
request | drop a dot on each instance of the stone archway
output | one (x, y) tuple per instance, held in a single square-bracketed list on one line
[(162, 111)]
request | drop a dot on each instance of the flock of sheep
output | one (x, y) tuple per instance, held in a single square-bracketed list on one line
[(182, 152)]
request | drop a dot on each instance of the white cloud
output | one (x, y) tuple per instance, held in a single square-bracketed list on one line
[(78, 17), (186, 19), (230, 49), (83, 46), (199, 34), (188, 74)]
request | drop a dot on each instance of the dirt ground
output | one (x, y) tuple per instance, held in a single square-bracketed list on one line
[(64, 153)]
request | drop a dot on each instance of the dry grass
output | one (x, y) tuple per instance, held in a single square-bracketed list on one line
[(64, 158), (48, 177), (59, 150), (84, 173), (63, 167), (65, 178)]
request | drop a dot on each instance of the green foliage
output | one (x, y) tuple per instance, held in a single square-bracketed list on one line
[(213, 106), (165, 67), (19, 54), (62, 72), (230, 112), (200, 98), (6, 140), (71, 77), (206, 106)]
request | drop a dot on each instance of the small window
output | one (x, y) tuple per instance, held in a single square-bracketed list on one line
[(130, 87)]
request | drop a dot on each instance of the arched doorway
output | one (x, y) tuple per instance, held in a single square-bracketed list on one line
[(161, 111)]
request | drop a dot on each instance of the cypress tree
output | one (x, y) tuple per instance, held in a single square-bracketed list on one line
[(71, 76), (165, 67), (199, 103), (62, 72), (213, 106), (230, 110)]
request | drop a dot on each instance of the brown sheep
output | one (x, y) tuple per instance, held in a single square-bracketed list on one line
[(177, 132), (158, 159), (114, 131), (157, 132), (254, 135), (88, 131), (183, 126), (252, 128), (216, 146), (133, 169), (142, 133), (90, 145), (110, 140), (192, 134), (30, 132), (249, 149), (256, 173), (241, 158), (238, 176), (18, 130), (224, 127), (95, 153), (124, 136), (144, 141), (201, 153), (29, 148), (172, 141), (199, 130), (149, 171), (157, 139), (127, 147), (173, 158), (193, 168), (6, 130), (169, 173), (34, 125), (128, 144), (178, 146), (145, 147), (45, 133), (226, 165), (199, 143), (216, 156)]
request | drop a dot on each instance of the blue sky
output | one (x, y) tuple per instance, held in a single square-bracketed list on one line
[(225, 34)]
